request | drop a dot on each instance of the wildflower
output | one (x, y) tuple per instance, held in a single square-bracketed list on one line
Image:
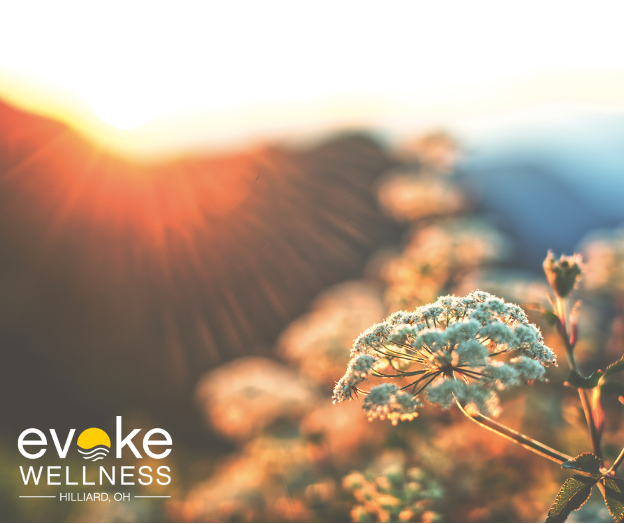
[(563, 274), (250, 486), (518, 286), (435, 152), (317, 342), (464, 348), (244, 396), (388, 491), (387, 400), (603, 260), (407, 196), (438, 255)]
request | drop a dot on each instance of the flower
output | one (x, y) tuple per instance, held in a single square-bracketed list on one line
[(435, 152), (437, 256), (387, 400), (317, 342), (520, 287), (603, 257), (244, 396), (389, 491), (408, 196), (563, 274), (462, 349)]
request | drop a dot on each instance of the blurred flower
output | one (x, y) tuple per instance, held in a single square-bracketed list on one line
[(388, 491), (520, 287), (564, 274), (438, 256), (344, 432), (408, 196), (317, 342), (244, 396), (436, 152), (603, 255), (448, 347), (254, 486)]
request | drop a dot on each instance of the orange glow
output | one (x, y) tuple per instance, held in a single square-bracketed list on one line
[(206, 235)]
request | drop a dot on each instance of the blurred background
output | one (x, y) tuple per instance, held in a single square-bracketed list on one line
[(203, 204)]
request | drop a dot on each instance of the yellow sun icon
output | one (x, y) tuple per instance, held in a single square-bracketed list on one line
[(94, 444)]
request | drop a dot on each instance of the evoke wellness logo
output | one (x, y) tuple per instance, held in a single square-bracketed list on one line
[(95, 444)]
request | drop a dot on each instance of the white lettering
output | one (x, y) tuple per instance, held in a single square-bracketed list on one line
[(84, 478), (124, 474), (31, 471), (50, 474), (21, 442), (145, 475), (147, 443), (164, 475), (111, 480), (67, 478), (127, 441), (62, 452)]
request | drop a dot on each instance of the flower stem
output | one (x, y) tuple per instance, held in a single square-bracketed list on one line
[(519, 438), (617, 462), (563, 332)]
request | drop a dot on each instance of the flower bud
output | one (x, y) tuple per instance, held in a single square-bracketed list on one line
[(563, 274)]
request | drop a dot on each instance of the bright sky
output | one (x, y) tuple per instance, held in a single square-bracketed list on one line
[(219, 72)]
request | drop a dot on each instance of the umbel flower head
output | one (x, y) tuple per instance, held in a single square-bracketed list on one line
[(456, 348)]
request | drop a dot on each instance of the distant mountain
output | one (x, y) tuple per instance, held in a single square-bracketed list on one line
[(550, 182), (122, 282)]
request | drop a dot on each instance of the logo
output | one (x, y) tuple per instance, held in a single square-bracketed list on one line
[(92, 445)]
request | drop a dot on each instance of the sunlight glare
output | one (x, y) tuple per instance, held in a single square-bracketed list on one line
[(218, 64), (119, 112)]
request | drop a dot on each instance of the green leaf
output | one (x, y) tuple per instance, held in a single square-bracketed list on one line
[(572, 495), (614, 497), (614, 368), (547, 314), (576, 380), (610, 389), (586, 462), (550, 317)]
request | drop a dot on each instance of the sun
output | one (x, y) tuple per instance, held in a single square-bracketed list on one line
[(92, 437), (119, 112), (93, 444)]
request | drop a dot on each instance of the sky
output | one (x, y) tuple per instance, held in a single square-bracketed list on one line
[(171, 75)]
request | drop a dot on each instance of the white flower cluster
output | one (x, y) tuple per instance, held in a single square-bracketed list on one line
[(456, 348), (388, 401)]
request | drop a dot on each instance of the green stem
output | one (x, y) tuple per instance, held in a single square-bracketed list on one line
[(519, 438)]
